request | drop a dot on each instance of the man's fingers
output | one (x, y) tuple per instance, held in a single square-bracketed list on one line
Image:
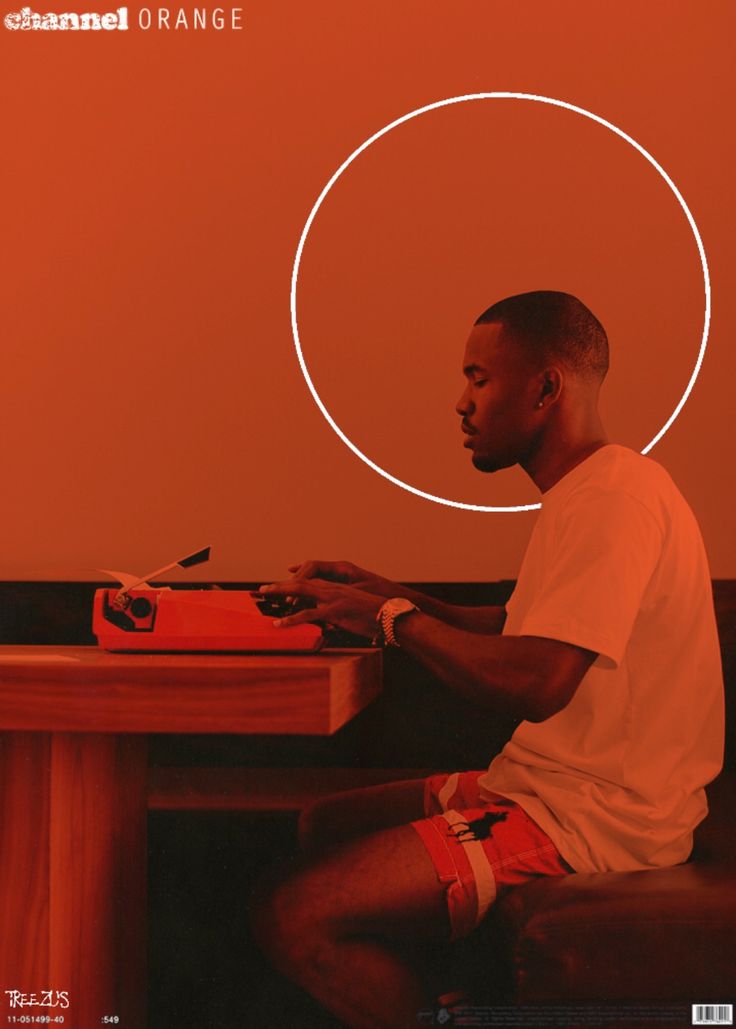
[(309, 614), (309, 569), (293, 588), (334, 571), (302, 587)]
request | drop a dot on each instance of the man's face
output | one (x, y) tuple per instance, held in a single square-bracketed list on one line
[(498, 404)]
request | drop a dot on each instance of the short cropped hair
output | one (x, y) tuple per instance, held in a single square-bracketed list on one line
[(553, 325)]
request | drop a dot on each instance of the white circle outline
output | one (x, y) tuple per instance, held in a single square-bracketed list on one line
[(432, 107)]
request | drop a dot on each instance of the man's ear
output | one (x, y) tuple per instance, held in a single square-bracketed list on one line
[(550, 386)]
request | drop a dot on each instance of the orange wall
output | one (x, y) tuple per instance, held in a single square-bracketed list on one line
[(155, 188)]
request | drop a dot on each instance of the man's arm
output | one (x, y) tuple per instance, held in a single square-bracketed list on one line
[(528, 676), (488, 620)]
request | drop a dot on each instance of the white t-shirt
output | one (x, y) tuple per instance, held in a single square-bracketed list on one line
[(616, 564)]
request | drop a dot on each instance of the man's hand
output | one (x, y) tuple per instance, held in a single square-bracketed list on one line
[(484, 620), (336, 603), (348, 573)]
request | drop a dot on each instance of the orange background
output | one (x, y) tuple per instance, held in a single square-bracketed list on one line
[(155, 189)]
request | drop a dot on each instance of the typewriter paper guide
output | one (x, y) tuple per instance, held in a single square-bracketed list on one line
[(193, 620)]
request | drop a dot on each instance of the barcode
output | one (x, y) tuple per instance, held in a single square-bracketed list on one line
[(712, 1014)]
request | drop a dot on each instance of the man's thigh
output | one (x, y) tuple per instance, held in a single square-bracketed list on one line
[(332, 820), (381, 884)]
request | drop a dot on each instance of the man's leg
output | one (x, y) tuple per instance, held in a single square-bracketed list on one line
[(343, 927), (332, 820)]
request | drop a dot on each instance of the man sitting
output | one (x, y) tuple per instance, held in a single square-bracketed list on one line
[(607, 650)]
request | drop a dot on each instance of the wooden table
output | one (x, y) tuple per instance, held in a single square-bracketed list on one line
[(73, 797)]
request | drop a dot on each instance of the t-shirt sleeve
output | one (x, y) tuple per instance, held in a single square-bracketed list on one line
[(608, 545)]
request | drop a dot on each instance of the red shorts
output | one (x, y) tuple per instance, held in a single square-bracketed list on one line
[(479, 847)]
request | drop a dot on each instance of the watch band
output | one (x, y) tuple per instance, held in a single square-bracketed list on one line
[(389, 611)]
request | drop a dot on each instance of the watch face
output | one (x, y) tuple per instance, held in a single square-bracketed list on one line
[(400, 606)]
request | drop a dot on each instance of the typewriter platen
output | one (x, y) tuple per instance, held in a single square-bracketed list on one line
[(139, 617)]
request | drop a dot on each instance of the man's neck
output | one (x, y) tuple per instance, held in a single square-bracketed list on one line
[(546, 469)]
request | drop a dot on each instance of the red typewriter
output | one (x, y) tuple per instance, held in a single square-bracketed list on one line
[(139, 617)]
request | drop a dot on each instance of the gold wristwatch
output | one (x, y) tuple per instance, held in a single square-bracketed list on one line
[(392, 609)]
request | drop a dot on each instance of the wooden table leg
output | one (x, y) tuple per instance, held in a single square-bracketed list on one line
[(25, 762), (73, 873)]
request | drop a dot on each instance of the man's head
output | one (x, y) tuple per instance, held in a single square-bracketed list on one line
[(532, 362)]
